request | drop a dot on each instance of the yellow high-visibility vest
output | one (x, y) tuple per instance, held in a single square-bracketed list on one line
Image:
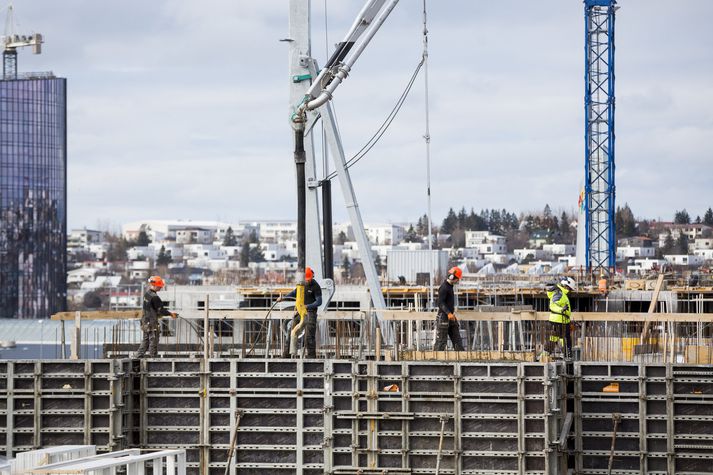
[(558, 300)]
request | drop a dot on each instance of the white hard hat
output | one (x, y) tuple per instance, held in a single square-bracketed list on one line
[(568, 282)]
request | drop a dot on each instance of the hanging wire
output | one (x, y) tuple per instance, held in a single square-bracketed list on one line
[(384, 126)]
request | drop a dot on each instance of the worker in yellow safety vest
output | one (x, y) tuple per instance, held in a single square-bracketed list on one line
[(560, 316)]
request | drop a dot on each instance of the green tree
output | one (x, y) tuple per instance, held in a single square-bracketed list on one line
[(682, 244), (708, 217), (230, 239), (341, 238), (143, 239), (255, 253), (422, 225), (378, 264), (411, 235), (449, 222), (625, 222), (682, 217), (346, 268), (163, 258), (668, 245), (244, 253)]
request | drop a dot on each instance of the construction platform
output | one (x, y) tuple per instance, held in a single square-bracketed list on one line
[(329, 416)]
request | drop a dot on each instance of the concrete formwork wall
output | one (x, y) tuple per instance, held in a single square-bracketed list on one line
[(665, 415), (60, 402), (339, 417)]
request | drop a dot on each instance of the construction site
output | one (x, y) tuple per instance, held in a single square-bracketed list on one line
[(232, 391)]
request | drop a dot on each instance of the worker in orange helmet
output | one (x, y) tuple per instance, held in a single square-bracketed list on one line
[(153, 310), (446, 322), (313, 299)]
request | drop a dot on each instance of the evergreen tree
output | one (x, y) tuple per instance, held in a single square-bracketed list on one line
[(422, 225), (244, 253), (341, 238), (450, 222), (378, 264), (682, 217), (462, 218), (255, 254), (698, 220), (667, 245), (230, 239), (411, 235), (143, 239), (346, 268), (708, 217), (625, 222), (163, 258), (564, 224), (682, 244)]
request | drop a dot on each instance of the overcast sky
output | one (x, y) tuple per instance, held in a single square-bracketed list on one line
[(178, 108)]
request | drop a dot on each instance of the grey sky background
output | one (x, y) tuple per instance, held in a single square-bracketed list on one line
[(179, 109)]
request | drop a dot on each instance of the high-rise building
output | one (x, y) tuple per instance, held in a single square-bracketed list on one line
[(33, 196)]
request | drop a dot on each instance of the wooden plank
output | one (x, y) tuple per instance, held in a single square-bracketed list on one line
[(652, 306), (405, 315)]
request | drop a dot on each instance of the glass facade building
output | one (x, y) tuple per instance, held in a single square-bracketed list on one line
[(33, 196)]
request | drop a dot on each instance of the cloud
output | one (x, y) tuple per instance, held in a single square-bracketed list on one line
[(188, 101)]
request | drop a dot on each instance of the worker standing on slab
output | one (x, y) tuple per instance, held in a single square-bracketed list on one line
[(313, 299), (446, 322), (560, 316), (153, 310)]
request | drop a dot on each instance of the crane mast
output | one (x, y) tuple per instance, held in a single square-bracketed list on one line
[(12, 41), (599, 106)]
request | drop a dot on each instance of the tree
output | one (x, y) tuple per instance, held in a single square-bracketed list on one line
[(411, 235), (92, 300), (682, 244), (230, 239), (625, 222), (245, 253), (378, 264), (255, 253), (449, 222), (346, 268), (564, 224), (682, 217), (708, 217), (422, 225), (143, 239), (341, 238), (163, 258), (117, 248), (667, 245)]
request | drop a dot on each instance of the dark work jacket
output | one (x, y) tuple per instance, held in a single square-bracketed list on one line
[(313, 296), (446, 299), (153, 309)]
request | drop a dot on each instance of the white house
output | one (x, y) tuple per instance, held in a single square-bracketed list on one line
[(83, 274), (626, 252), (539, 254), (474, 238), (384, 234), (684, 260), (83, 237), (560, 249)]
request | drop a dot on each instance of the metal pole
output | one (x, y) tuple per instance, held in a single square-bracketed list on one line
[(427, 137)]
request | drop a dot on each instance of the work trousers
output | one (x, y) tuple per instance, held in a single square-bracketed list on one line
[(560, 334), (445, 329), (150, 341), (310, 338)]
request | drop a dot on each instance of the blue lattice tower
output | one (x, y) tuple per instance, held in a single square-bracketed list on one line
[(599, 107)]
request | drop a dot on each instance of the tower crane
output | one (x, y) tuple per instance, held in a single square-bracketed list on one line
[(599, 105), (12, 41)]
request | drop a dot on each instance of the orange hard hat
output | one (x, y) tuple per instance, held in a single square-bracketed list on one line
[(456, 272), (157, 281), (309, 273)]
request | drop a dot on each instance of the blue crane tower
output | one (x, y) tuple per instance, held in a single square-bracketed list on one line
[(599, 105)]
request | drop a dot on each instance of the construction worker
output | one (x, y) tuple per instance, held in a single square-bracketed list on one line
[(446, 322), (313, 299), (560, 316), (153, 310)]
